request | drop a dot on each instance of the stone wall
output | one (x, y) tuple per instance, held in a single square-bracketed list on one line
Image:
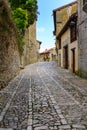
[(82, 38), (31, 48), (9, 56), (32, 44), (38, 45), (61, 16)]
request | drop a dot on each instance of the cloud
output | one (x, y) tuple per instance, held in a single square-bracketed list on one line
[(41, 29)]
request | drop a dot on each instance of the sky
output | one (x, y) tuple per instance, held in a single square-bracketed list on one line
[(45, 24)]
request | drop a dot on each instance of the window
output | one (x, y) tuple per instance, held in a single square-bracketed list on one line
[(85, 6), (60, 43), (73, 32), (84, 1)]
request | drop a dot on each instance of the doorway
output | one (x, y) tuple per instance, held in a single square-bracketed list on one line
[(66, 57), (73, 60)]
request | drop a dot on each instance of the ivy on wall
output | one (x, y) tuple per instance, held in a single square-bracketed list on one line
[(24, 10), (24, 13)]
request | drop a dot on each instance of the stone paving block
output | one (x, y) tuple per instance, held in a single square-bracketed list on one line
[(63, 127), (78, 126), (29, 128), (55, 127), (58, 124), (64, 122), (56, 106), (29, 122), (51, 128), (61, 116), (6, 129), (41, 128), (1, 117), (58, 111)]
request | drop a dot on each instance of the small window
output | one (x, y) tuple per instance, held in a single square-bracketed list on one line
[(60, 43), (85, 6), (73, 32), (84, 1)]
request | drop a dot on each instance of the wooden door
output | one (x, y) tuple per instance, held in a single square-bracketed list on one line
[(66, 56), (73, 60)]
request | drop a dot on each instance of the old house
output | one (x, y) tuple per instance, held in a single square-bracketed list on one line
[(68, 49), (48, 55), (65, 30), (82, 36), (53, 55), (62, 14), (44, 56)]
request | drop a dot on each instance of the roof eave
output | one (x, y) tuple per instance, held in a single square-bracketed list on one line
[(64, 6)]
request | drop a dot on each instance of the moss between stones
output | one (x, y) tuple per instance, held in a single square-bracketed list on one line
[(81, 73)]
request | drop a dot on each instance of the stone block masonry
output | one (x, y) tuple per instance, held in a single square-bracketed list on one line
[(9, 55), (82, 39), (30, 54)]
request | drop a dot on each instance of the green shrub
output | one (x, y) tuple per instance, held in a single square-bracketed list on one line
[(20, 17)]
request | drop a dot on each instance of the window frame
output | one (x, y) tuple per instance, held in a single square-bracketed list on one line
[(84, 2), (73, 32), (60, 43)]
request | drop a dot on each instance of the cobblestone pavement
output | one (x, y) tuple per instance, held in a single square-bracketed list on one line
[(44, 97)]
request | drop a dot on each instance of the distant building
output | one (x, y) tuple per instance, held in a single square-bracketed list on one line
[(48, 55)]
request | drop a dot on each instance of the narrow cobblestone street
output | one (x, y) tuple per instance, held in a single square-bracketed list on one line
[(44, 97)]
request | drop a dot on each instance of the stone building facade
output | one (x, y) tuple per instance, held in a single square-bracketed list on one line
[(48, 55), (68, 45), (62, 14), (9, 55), (60, 17), (82, 36), (67, 50)]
